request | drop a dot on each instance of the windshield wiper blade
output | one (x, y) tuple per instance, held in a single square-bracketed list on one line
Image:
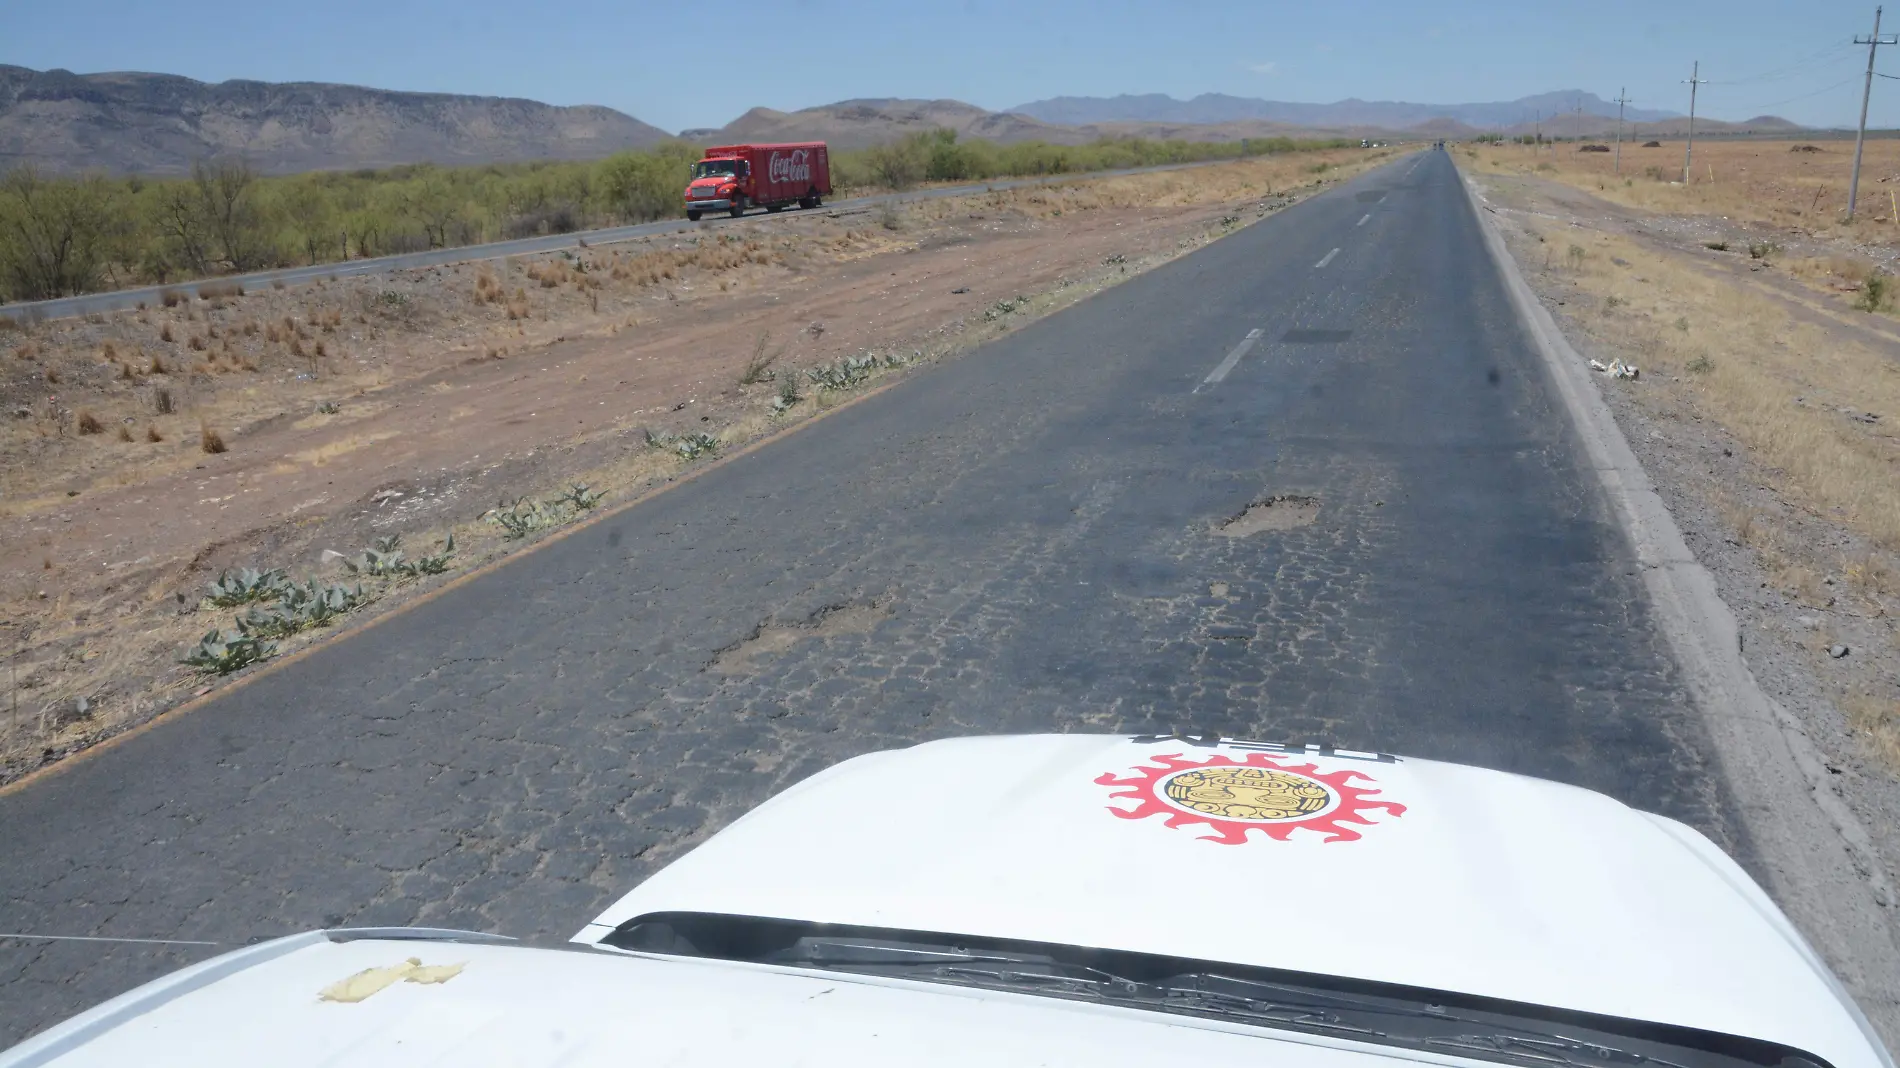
[(952, 962), (1218, 985), (1548, 1048)]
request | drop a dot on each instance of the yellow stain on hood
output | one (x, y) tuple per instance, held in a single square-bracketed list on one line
[(370, 980)]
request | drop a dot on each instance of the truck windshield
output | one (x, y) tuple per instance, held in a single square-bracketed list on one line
[(715, 168)]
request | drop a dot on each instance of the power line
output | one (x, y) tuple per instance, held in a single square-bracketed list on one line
[(1777, 103), (1798, 66)]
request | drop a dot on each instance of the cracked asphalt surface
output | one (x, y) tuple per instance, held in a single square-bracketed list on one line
[(1035, 524)]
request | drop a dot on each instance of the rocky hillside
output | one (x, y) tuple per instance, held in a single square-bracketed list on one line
[(159, 123), (852, 124)]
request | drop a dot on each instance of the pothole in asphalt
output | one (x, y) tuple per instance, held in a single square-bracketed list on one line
[(1284, 512), (772, 639)]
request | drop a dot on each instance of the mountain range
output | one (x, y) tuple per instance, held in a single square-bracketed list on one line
[(1380, 114), (160, 123)]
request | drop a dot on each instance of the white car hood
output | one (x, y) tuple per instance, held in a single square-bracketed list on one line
[(1405, 871), (524, 1008)]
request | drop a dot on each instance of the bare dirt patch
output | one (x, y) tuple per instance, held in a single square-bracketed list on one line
[(1284, 512), (460, 400)]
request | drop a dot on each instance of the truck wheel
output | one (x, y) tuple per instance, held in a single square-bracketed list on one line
[(808, 202), (738, 206), (693, 214)]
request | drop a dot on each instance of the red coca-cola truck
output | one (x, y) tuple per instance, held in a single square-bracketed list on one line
[(732, 178)]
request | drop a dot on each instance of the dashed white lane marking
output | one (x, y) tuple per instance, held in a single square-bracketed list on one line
[(1362, 219), (1324, 260), (1233, 358)]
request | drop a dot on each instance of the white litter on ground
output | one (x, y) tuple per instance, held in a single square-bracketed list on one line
[(1615, 369)]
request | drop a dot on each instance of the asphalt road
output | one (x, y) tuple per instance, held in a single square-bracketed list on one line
[(127, 299), (1035, 521)]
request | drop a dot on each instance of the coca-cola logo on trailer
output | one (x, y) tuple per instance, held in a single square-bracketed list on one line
[(790, 166)]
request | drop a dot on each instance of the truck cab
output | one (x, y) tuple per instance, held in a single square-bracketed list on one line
[(717, 185)]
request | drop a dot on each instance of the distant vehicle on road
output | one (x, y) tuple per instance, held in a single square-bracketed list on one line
[(732, 178), (1077, 900)]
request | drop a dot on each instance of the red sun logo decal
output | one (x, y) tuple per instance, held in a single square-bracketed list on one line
[(1258, 793)]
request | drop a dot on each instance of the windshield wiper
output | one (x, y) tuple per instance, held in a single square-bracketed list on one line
[(1545, 1048), (949, 963), (1470, 1026), (1240, 1001)]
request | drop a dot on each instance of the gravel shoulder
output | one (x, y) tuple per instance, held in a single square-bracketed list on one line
[(1761, 413)]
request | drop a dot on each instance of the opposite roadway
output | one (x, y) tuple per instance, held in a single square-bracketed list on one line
[(1037, 522)]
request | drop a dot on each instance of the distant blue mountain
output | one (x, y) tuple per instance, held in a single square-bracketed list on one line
[(1219, 107)]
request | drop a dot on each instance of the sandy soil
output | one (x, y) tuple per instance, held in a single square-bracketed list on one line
[(411, 404), (1765, 412)]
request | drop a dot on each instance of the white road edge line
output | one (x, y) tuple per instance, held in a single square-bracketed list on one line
[(1820, 862), (1226, 365), (1361, 222), (1326, 259)]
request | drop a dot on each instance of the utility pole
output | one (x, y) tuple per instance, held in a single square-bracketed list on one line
[(1622, 98), (1695, 79), (1873, 44)]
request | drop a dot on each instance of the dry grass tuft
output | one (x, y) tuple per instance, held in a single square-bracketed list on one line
[(196, 344), (488, 289), (165, 332), (152, 434), (52, 375), (109, 352), (156, 367), (171, 298), (125, 432), (1878, 721), (219, 290), (87, 423), (210, 440)]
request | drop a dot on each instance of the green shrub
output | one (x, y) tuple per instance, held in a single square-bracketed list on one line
[(65, 235)]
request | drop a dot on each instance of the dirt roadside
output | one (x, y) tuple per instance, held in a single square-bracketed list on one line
[(421, 403), (1761, 407)]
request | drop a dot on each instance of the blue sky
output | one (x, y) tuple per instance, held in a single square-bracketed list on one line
[(663, 64)]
